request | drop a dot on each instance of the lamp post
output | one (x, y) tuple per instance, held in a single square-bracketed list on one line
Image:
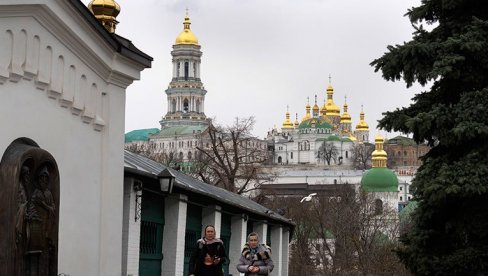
[(166, 181), (137, 187)]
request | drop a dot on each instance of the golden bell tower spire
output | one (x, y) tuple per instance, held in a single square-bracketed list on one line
[(379, 156), (186, 36), (105, 11)]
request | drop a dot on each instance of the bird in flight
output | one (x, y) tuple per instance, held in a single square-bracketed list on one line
[(308, 198)]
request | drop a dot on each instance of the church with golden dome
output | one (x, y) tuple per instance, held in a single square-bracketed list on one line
[(323, 134)]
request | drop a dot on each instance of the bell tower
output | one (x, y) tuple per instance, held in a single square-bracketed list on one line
[(186, 93)]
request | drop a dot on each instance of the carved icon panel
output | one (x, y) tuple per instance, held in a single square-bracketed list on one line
[(29, 204)]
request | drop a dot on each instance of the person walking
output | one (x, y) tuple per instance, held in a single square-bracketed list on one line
[(255, 258), (208, 256)]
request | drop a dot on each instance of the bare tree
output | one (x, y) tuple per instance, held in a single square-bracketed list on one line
[(168, 157), (230, 157), (342, 233), (327, 152), (361, 155)]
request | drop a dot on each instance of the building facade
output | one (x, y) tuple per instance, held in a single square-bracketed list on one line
[(323, 136), (63, 76)]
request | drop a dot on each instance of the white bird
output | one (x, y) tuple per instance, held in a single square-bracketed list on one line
[(308, 198)]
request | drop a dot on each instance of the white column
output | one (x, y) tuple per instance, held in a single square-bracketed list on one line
[(175, 207), (174, 69), (285, 251), (237, 241), (190, 68), (131, 230), (182, 68), (277, 249), (211, 215), (261, 228)]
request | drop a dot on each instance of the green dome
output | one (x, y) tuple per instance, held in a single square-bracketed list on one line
[(379, 180), (315, 123)]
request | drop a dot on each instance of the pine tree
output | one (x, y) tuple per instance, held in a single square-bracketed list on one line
[(450, 232)]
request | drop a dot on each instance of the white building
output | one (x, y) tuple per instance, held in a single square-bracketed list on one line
[(322, 137), (62, 85)]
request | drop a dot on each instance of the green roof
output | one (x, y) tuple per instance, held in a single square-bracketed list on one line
[(401, 140), (315, 123), (182, 130), (379, 180), (334, 138), (140, 134)]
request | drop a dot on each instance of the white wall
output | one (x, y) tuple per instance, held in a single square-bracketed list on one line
[(62, 86)]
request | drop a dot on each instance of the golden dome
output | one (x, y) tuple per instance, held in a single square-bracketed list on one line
[(379, 156), (315, 108), (352, 138), (331, 109), (186, 36), (345, 118), (297, 123), (323, 109), (105, 11), (307, 113), (287, 123), (362, 125)]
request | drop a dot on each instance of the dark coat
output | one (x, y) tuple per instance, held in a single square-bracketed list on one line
[(262, 259), (215, 249)]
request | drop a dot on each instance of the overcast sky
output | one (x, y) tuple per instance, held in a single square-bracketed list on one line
[(261, 55)]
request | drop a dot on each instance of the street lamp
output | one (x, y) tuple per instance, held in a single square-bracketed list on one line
[(166, 181)]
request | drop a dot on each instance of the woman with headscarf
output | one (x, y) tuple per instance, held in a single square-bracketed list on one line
[(255, 258), (208, 256)]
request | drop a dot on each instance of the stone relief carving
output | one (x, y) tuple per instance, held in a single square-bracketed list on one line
[(29, 201)]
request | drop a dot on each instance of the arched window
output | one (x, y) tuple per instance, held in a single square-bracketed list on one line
[(181, 155), (405, 153), (378, 207), (189, 155), (186, 106), (279, 159), (186, 70), (347, 154)]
